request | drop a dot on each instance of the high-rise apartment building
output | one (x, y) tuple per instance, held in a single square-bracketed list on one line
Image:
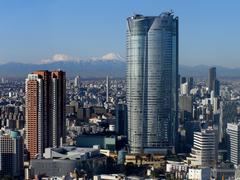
[(11, 154), (45, 110), (204, 151), (233, 131), (152, 81)]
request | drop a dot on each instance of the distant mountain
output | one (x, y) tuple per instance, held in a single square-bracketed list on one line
[(86, 69), (98, 68), (202, 71)]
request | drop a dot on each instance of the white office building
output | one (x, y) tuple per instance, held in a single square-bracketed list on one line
[(204, 151), (233, 131)]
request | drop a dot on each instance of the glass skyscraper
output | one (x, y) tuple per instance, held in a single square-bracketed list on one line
[(152, 76)]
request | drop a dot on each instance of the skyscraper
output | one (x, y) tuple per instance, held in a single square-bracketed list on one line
[(190, 83), (77, 82), (107, 89), (233, 130), (217, 88), (211, 78), (45, 110), (152, 81), (121, 119), (11, 154), (228, 114), (213, 83)]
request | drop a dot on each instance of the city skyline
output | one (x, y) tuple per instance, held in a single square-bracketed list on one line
[(36, 31), (174, 115)]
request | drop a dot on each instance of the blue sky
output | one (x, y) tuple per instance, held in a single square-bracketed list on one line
[(34, 30)]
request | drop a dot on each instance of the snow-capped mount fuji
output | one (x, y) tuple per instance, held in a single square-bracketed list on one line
[(110, 57), (111, 64)]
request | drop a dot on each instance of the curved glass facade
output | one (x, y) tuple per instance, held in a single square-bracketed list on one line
[(152, 54)]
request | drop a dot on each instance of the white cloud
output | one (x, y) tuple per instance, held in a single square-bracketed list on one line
[(59, 58)]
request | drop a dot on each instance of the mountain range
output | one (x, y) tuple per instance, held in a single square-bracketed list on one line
[(112, 65)]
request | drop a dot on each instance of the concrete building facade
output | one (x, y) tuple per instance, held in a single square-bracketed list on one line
[(45, 110)]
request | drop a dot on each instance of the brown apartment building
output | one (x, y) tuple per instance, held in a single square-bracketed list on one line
[(45, 110)]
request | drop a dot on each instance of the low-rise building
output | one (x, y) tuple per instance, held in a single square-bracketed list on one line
[(109, 177), (177, 169), (71, 152), (199, 173), (104, 142), (63, 161), (155, 160), (224, 170)]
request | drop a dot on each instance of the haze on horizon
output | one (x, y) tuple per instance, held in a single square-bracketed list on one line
[(32, 31)]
